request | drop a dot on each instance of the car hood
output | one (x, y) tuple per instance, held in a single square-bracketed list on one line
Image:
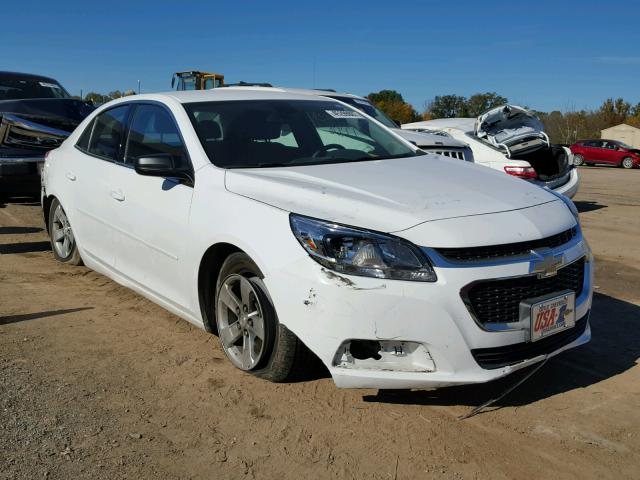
[(428, 139), (387, 195), (61, 113)]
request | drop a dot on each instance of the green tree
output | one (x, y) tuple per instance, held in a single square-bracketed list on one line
[(481, 102), (392, 103), (97, 98), (447, 106)]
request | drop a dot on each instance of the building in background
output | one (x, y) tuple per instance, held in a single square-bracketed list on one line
[(623, 133)]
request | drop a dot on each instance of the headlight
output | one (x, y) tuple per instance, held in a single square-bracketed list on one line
[(360, 252)]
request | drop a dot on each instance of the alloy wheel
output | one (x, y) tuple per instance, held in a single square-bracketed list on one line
[(627, 163), (241, 324), (61, 233)]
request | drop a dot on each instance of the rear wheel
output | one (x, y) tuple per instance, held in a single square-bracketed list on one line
[(63, 242), (250, 334), (627, 162), (578, 160)]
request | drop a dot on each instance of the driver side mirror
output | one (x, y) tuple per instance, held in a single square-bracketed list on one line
[(161, 165)]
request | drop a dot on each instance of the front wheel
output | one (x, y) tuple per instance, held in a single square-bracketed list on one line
[(63, 242), (627, 162), (578, 160), (250, 334)]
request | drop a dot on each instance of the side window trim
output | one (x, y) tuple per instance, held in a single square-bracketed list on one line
[(119, 157), (90, 128)]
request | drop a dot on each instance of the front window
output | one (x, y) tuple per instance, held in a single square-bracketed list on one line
[(154, 133), (369, 108), (15, 88), (275, 133)]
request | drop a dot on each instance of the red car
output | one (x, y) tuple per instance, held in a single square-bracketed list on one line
[(611, 152)]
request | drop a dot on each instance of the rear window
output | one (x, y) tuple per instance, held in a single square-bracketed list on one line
[(274, 133), (15, 88)]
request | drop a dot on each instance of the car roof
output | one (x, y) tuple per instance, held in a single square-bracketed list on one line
[(231, 93), (26, 76), (464, 124), (321, 92)]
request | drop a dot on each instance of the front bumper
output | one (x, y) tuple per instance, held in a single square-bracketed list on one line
[(326, 310)]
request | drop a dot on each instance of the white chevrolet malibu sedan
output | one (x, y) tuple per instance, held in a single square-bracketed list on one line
[(289, 224)]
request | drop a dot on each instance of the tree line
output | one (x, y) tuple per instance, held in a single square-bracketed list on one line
[(100, 98), (562, 127)]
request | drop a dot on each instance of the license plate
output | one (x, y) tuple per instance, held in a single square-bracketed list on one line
[(552, 315)]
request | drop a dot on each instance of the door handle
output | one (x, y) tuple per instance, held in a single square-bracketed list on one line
[(71, 176), (117, 195)]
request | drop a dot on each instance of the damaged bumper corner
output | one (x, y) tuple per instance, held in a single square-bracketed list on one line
[(377, 333)]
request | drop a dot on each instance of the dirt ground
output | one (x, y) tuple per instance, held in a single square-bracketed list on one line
[(97, 382)]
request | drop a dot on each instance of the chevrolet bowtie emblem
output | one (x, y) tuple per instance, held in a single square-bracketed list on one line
[(546, 264)]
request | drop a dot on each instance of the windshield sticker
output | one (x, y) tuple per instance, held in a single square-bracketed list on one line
[(362, 102), (343, 114), (49, 85)]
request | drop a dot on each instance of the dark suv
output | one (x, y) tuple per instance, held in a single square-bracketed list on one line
[(612, 152), (36, 115)]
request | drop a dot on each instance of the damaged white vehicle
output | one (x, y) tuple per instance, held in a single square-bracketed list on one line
[(511, 139), (290, 224)]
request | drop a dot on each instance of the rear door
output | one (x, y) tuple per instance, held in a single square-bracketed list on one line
[(593, 151), (153, 213), (91, 171)]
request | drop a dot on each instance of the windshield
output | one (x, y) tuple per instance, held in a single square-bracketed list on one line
[(369, 108), (624, 145), (22, 88), (276, 133)]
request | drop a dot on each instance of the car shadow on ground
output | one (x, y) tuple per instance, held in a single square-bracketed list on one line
[(587, 206), (24, 247), (614, 349), (27, 200), (6, 320), (19, 230)]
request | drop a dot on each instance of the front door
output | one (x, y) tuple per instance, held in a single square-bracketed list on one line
[(153, 215), (611, 153)]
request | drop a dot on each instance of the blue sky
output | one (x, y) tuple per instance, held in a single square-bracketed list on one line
[(547, 55)]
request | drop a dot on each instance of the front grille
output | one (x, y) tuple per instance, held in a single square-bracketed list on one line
[(507, 249), (498, 357), (458, 154), (498, 301)]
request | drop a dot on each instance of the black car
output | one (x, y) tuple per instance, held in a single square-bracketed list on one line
[(36, 115)]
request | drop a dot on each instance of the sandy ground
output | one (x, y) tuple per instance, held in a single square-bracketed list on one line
[(97, 382)]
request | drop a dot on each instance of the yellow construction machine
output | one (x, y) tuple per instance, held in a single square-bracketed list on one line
[(194, 80)]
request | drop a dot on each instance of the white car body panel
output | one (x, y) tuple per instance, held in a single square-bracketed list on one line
[(462, 129), (399, 202), (154, 235)]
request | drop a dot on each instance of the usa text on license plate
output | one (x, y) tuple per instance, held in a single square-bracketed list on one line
[(553, 315)]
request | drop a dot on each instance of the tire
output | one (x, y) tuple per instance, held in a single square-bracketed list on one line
[(627, 162), (578, 160), (63, 242), (279, 356)]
